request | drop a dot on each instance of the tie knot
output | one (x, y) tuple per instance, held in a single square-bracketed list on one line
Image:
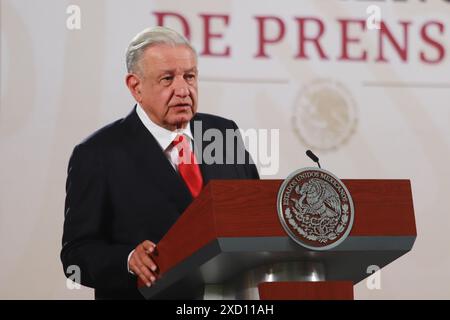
[(178, 140), (181, 143)]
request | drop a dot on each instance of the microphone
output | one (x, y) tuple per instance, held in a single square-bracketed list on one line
[(313, 157)]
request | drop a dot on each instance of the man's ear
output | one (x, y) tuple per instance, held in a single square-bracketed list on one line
[(134, 85)]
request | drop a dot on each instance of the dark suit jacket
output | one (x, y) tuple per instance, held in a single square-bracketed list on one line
[(122, 190)]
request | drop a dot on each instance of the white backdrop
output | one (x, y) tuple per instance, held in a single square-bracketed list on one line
[(365, 119)]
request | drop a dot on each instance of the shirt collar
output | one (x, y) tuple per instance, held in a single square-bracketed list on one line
[(162, 135)]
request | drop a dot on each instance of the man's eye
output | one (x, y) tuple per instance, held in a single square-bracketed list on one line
[(190, 76), (166, 79)]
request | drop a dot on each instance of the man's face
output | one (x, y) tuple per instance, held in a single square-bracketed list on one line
[(167, 85)]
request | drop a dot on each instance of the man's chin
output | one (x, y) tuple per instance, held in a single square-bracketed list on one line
[(180, 120)]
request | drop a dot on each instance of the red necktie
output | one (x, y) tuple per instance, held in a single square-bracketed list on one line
[(188, 166)]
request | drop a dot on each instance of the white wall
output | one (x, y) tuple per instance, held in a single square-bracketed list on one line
[(58, 85)]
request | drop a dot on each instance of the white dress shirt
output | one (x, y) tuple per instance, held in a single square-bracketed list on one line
[(165, 138)]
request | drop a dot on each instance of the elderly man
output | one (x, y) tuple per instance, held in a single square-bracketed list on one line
[(129, 182)]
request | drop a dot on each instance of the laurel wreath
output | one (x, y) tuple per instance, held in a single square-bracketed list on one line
[(323, 239)]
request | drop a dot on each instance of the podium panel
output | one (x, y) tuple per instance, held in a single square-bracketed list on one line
[(230, 239)]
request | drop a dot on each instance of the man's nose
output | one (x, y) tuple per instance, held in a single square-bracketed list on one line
[(181, 87)]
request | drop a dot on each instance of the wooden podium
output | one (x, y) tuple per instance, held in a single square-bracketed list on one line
[(230, 242)]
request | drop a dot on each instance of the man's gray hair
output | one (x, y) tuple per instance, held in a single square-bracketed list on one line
[(149, 37)]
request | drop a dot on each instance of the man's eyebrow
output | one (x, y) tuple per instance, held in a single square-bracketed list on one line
[(166, 71), (194, 69), (172, 71)]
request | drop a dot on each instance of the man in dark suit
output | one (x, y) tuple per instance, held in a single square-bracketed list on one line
[(129, 182)]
